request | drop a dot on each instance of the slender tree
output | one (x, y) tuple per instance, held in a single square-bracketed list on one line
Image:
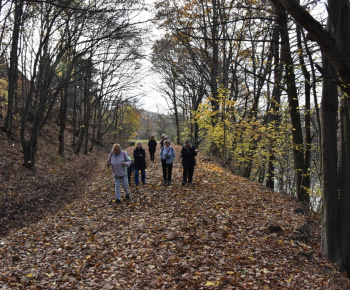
[(13, 70)]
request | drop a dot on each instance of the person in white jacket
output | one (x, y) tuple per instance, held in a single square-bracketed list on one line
[(119, 160), (167, 156)]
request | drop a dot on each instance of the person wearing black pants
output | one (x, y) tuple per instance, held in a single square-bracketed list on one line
[(167, 156), (152, 144), (188, 153), (139, 163)]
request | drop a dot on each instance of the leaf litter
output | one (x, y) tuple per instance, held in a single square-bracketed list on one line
[(223, 231)]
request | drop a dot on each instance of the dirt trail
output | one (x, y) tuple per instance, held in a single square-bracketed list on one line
[(222, 232)]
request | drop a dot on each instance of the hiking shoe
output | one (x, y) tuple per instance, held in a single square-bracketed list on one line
[(169, 182), (118, 201), (165, 182), (127, 197), (184, 183)]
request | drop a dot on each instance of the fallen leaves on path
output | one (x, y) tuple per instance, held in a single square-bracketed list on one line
[(221, 232)]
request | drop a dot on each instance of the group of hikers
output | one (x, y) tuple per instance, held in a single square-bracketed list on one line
[(123, 165)]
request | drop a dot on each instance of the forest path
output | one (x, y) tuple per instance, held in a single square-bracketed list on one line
[(222, 232)]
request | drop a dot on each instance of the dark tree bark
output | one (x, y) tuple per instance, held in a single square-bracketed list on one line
[(214, 64), (329, 114), (63, 120), (307, 114), (13, 70), (275, 104), (342, 14), (344, 185), (297, 133), (177, 119)]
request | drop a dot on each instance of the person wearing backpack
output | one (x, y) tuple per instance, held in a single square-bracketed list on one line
[(139, 163), (167, 156), (188, 153), (119, 161)]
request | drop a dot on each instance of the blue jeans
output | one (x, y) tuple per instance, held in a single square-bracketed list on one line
[(125, 183), (143, 176)]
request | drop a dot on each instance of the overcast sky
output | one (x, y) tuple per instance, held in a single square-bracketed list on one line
[(153, 101)]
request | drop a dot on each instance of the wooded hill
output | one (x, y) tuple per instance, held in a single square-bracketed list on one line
[(61, 230)]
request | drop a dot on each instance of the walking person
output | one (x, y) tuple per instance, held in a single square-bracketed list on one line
[(167, 156), (139, 163), (188, 153), (152, 144), (119, 160), (162, 139)]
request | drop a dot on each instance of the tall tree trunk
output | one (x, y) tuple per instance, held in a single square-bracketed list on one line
[(330, 238), (176, 112), (214, 65), (314, 91), (336, 192), (93, 140), (29, 153), (87, 136), (344, 182), (99, 124), (63, 117), (297, 133), (13, 71), (214, 71), (82, 130), (177, 122), (342, 11), (75, 116), (275, 104), (86, 110), (329, 108), (307, 87)]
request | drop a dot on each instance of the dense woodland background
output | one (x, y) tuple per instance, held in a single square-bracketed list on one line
[(260, 85)]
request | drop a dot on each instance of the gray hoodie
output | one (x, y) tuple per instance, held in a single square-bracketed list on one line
[(116, 161)]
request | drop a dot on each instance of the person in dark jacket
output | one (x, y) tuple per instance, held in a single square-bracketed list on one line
[(152, 144), (188, 153), (140, 163), (162, 139)]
